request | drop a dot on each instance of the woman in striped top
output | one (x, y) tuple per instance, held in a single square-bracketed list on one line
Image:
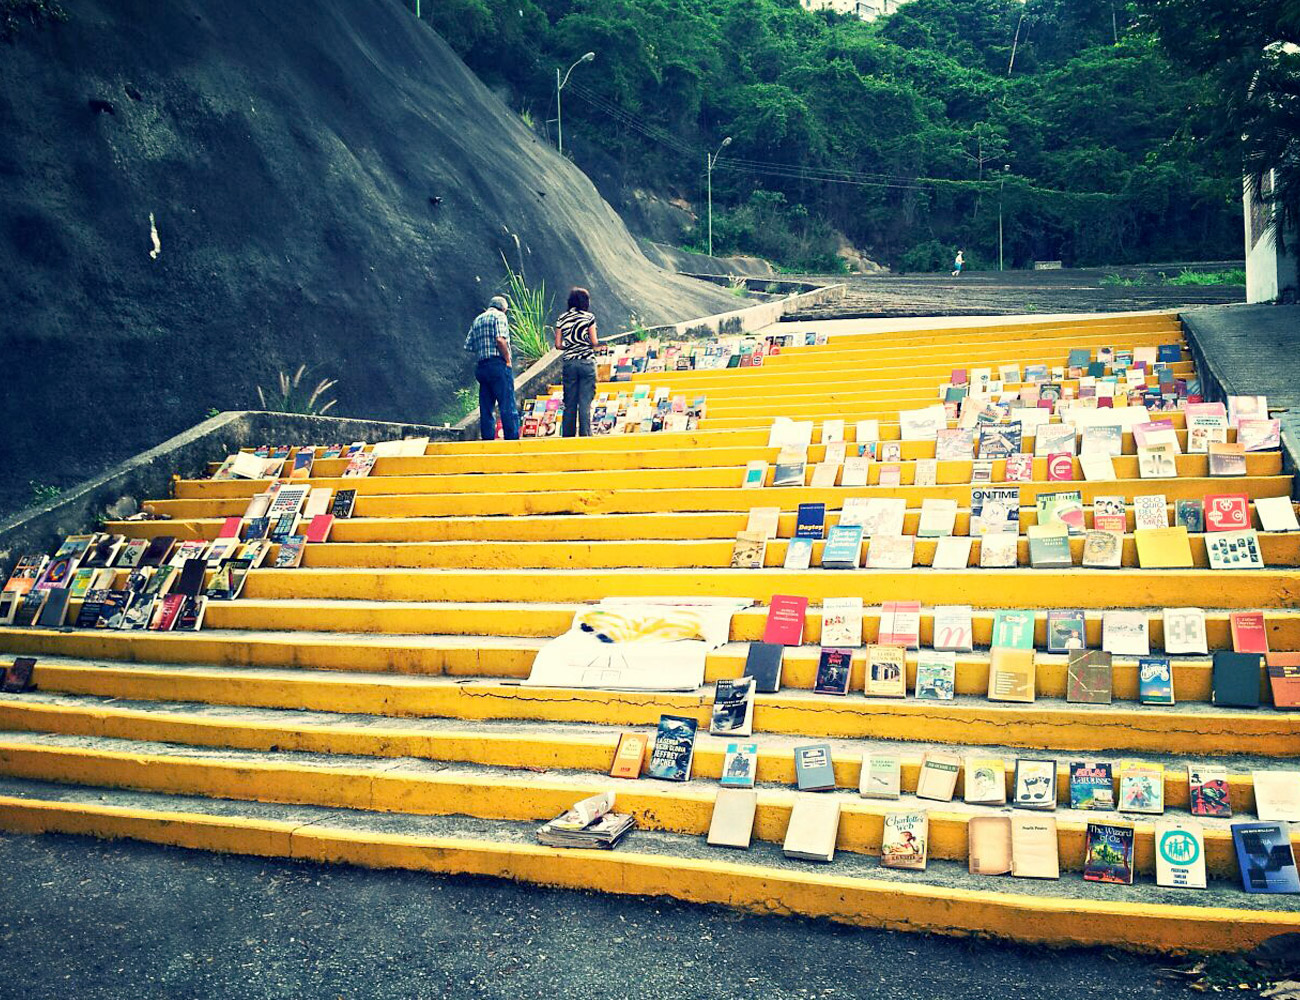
[(575, 335)]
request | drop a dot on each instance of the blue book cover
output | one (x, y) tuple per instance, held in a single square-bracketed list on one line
[(1155, 681), (843, 547), (1169, 352), (811, 521), (813, 768), (738, 765), (1265, 858), (674, 748)]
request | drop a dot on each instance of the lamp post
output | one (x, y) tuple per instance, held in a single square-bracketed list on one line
[(709, 162), (559, 86), (1005, 168)]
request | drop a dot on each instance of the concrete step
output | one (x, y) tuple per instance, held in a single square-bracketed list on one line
[(853, 889), (1189, 728)]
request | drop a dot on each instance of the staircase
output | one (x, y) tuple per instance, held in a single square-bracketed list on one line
[(366, 708)]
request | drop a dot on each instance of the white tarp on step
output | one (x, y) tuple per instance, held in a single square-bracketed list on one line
[(638, 644)]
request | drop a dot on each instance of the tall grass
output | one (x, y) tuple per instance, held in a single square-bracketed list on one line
[(290, 395), (529, 307)]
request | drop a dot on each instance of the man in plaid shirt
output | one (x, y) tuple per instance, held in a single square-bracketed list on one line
[(489, 340)]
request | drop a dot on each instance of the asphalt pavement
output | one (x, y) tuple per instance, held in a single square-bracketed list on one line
[(91, 919)]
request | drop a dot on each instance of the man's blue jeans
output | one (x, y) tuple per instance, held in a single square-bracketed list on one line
[(496, 387)]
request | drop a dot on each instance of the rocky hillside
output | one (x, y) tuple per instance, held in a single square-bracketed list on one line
[(197, 196)]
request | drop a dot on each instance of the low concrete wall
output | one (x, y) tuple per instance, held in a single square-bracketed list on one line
[(119, 491)]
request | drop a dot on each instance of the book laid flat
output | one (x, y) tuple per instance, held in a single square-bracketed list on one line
[(732, 824)]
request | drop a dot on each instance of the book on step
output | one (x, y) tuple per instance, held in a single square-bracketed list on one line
[(1035, 784), (810, 521), (834, 670), (1180, 854), (1235, 680), (905, 841), (629, 755), (842, 621), (1108, 853), (881, 776), (1277, 795), (1284, 679), (732, 824), (1265, 857), (1091, 785), (1141, 788), (813, 769), (1088, 677), (785, 620), (1208, 792), (763, 663), (733, 707), (17, 677), (814, 824), (986, 781), (938, 776), (989, 845), (1012, 674), (886, 674), (1034, 848), (674, 748), (936, 675), (739, 765)]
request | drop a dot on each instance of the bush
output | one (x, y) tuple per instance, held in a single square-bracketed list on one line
[(530, 334), (15, 13), (928, 257), (767, 226)]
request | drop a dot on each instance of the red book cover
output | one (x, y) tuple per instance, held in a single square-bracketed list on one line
[(319, 528), (169, 609), (785, 618), (1060, 467), (1248, 634), (230, 527), (1284, 679), (1227, 512)]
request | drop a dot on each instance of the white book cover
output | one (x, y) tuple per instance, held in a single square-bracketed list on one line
[(853, 511), (1097, 467), (1276, 514), (884, 516), (832, 431), (1150, 511), (1124, 633), (938, 518), (764, 521), (867, 430), (952, 552), (952, 628), (1277, 795), (1185, 631), (881, 776), (1180, 854), (855, 471), (842, 621)]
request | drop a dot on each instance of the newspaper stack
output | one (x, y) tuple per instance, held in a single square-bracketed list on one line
[(590, 823)]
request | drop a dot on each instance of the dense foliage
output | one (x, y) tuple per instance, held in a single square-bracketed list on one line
[(907, 135)]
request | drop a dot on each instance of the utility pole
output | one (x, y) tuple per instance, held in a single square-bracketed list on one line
[(559, 86), (709, 162), (1001, 184)]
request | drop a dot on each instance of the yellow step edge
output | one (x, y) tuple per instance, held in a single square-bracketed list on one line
[(1043, 724), (526, 751), (855, 901), (656, 806)]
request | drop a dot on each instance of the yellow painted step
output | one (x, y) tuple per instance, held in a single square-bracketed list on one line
[(1045, 724), (632, 500), (858, 901), (655, 805), (518, 749)]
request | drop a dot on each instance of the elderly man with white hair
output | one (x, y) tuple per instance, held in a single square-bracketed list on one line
[(489, 340)]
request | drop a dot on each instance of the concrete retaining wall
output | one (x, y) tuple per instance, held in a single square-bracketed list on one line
[(148, 475)]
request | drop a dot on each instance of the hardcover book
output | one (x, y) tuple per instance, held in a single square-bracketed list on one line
[(986, 781), (1265, 858), (1180, 854), (1208, 793), (936, 675), (1091, 785), (905, 841), (674, 748), (733, 707), (880, 777), (1035, 785), (886, 671), (1108, 854), (834, 669), (739, 765), (813, 769), (763, 663), (1088, 677)]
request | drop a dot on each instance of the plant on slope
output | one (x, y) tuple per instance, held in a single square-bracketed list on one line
[(531, 335), (290, 395)]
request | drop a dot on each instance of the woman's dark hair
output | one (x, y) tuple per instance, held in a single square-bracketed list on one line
[(580, 298)]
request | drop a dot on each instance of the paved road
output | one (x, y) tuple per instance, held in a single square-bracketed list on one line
[(88, 919)]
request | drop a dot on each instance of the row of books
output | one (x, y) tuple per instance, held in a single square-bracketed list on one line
[(286, 462), (623, 362), (1154, 462), (640, 412), (997, 844)]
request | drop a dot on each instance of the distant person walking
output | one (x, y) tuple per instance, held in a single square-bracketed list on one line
[(958, 263), (575, 335), (489, 340)]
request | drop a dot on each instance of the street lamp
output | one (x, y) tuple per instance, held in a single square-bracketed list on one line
[(1005, 168), (709, 162), (559, 86)]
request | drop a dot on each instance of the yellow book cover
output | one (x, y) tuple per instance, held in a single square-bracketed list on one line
[(629, 756), (1011, 674), (1163, 548)]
